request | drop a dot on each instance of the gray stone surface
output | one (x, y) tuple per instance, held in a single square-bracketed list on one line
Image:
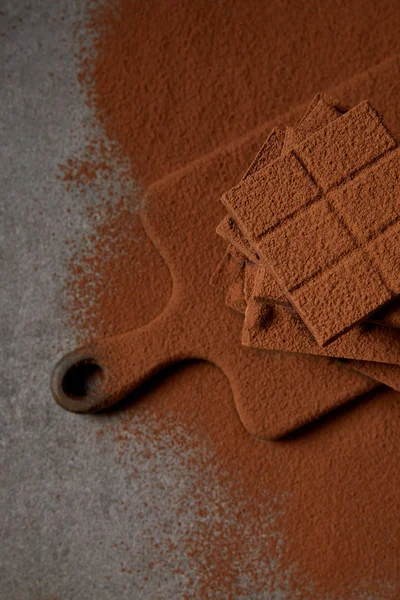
[(77, 520), (66, 505)]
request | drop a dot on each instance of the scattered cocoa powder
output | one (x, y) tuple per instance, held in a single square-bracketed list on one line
[(315, 515)]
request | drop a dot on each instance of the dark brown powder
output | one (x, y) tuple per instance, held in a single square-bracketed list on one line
[(218, 69), (108, 275), (323, 505)]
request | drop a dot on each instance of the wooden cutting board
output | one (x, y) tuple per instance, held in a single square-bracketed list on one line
[(274, 392)]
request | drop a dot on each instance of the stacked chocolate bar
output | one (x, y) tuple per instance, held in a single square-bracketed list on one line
[(313, 232)]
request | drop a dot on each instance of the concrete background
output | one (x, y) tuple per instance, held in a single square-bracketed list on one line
[(68, 510)]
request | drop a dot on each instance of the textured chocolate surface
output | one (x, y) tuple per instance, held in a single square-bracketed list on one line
[(265, 286), (261, 315), (285, 331), (228, 228), (269, 151), (332, 273), (321, 111), (230, 231), (225, 273), (266, 289)]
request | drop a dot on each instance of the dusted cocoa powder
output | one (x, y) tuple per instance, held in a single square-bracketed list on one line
[(315, 515)]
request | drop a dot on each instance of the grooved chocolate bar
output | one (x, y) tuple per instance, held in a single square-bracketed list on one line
[(285, 331), (389, 374), (259, 318), (267, 290), (321, 111), (265, 287), (294, 212)]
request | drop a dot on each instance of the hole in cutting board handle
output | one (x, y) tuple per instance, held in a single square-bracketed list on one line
[(83, 379), (78, 383)]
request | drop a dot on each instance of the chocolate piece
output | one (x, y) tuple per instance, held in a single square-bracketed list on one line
[(314, 120), (288, 333), (228, 228), (269, 151), (250, 270), (267, 290), (225, 273), (339, 284), (237, 254), (386, 373), (230, 232), (382, 372), (328, 101), (325, 111), (235, 297), (266, 287)]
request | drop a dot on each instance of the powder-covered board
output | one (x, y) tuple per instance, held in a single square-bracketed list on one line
[(273, 391)]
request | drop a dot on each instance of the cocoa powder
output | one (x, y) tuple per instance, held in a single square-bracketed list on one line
[(316, 515)]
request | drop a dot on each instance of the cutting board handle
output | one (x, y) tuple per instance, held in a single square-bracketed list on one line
[(92, 378)]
